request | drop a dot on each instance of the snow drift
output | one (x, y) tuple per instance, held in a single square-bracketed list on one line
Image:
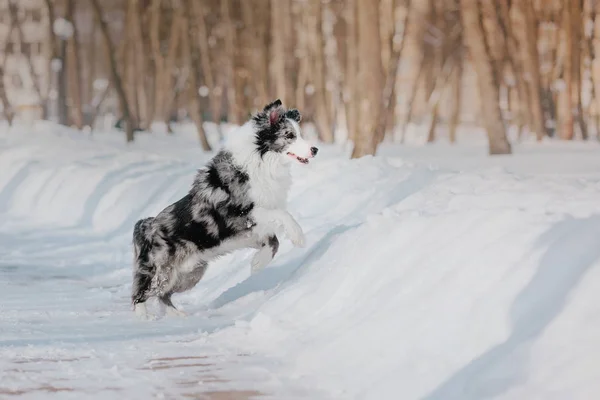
[(466, 281)]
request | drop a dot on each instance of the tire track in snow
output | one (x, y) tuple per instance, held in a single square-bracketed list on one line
[(108, 181), (13, 184)]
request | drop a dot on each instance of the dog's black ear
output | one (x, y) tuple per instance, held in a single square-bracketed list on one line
[(276, 103), (275, 111), (270, 115), (293, 114)]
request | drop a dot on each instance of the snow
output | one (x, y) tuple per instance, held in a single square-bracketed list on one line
[(63, 28), (430, 272)]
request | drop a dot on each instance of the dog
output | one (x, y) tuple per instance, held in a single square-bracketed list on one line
[(238, 200)]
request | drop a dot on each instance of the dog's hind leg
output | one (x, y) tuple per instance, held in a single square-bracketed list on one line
[(185, 282), (143, 269), (165, 300), (142, 282), (143, 273), (265, 254)]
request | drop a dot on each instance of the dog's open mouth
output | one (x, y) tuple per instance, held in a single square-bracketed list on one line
[(301, 160)]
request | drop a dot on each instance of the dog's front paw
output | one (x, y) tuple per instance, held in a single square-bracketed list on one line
[(261, 259), (295, 234), (173, 312), (141, 312)]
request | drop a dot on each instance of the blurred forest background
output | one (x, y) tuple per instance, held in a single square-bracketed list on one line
[(359, 70)]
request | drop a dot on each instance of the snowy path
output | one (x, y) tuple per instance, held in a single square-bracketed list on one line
[(68, 330), (66, 327), (478, 280)]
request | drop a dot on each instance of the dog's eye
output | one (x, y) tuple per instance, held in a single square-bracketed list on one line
[(290, 135)]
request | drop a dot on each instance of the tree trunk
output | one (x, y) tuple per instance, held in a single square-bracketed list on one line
[(513, 53), (370, 75), (63, 88), (386, 32), (387, 104), (7, 109), (436, 95), (577, 22), (596, 61), (192, 58), (15, 23), (455, 102), (411, 101), (116, 77), (280, 10), (532, 66), (6, 106), (53, 51), (299, 20), (486, 79), (132, 77), (322, 114), (141, 67), (233, 106), (74, 66), (199, 29), (164, 64), (419, 12), (566, 105), (256, 51), (350, 94), (170, 87)]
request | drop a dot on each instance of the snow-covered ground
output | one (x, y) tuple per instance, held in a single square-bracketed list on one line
[(430, 272)]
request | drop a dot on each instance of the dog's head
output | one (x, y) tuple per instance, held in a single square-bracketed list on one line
[(278, 131)]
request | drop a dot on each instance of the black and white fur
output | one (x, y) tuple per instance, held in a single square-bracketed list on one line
[(238, 200)]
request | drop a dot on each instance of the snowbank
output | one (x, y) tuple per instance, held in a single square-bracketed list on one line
[(471, 280)]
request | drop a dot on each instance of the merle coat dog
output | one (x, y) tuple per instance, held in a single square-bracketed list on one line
[(238, 200)]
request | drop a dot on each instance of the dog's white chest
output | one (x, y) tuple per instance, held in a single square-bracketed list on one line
[(270, 193), (269, 189)]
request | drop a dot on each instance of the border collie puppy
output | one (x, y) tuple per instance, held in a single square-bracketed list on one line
[(238, 200)]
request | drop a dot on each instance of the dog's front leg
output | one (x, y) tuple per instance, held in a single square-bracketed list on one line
[(266, 252), (268, 220)]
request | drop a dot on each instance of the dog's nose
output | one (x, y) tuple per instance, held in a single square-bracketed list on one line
[(314, 151)]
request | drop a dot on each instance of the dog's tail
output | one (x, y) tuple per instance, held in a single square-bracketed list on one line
[(143, 268), (141, 235)]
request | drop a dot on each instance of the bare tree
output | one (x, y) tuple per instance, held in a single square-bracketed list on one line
[(192, 57), (164, 61), (280, 33), (7, 109), (577, 22), (565, 110), (142, 63), (387, 105), (350, 91), (197, 15), (514, 59), (229, 70), (254, 49), (455, 100), (532, 65), (53, 40), (74, 67), (419, 13), (300, 22), (116, 76), (15, 23), (595, 56), (487, 81), (322, 114), (370, 75)]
